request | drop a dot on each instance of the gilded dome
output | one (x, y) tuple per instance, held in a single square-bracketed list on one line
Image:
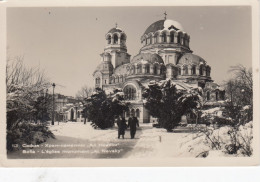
[(189, 58), (147, 58), (163, 24)]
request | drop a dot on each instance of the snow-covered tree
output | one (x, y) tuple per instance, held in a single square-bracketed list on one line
[(102, 108), (167, 103)]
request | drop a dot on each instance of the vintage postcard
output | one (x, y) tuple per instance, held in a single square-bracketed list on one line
[(130, 85)]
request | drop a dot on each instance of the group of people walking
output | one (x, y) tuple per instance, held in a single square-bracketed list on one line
[(122, 126)]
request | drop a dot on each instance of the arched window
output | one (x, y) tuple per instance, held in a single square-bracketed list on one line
[(179, 38), (162, 70), (193, 70), (172, 37), (115, 39), (201, 70), (157, 38), (179, 71), (118, 79), (97, 80), (109, 39), (163, 37), (208, 71), (122, 39), (137, 113), (139, 69), (216, 96), (78, 114), (147, 68), (208, 95), (151, 39), (185, 70), (155, 70), (130, 92)]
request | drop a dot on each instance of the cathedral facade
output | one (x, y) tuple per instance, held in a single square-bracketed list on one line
[(165, 54)]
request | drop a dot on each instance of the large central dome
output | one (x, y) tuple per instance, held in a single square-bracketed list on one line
[(163, 24)]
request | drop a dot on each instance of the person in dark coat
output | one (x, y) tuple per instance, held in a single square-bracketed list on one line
[(121, 123), (132, 123)]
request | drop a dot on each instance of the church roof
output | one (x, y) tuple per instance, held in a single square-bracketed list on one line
[(113, 30), (163, 24), (147, 58), (189, 58)]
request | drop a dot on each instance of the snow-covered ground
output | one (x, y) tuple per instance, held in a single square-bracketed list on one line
[(149, 142)]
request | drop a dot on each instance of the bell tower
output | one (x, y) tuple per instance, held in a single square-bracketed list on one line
[(116, 46)]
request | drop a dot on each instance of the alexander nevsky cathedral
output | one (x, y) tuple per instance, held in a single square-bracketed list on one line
[(165, 54)]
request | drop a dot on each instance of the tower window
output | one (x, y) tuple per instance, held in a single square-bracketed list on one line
[(172, 37), (201, 70), (164, 37), (193, 70), (115, 39), (109, 40), (179, 71)]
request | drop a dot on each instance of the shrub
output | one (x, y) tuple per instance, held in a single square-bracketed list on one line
[(27, 133)]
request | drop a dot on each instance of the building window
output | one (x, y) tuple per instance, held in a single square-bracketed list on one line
[(163, 37), (155, 70), (172, 37), (97, 80), (217, 96), (185, 70), (179, 38), (130, 92), (78, 114), (179, 71), (162, 70), (193, 70), (115, 39), (139, 69), (201, 70), (109, 39), (147, 69), (208, 71), (208, 95)]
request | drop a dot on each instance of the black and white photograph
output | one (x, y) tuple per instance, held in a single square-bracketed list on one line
[(130, 83)]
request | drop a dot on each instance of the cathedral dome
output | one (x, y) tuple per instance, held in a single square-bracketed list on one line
[(189, 58), (147, 58), (116, 29), (163, 25), (104, 66)]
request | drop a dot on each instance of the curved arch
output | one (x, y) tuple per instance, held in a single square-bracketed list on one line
[(130, 92), (107, 35), (201, 69), (193, 69), (123, 36), (185, 70), (172, 36), (115, 38), (164, 37)]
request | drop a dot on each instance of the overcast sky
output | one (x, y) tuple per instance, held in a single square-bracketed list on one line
[(67, 42)]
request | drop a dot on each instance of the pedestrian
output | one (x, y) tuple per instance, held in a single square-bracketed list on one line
[(132, 123), (121, 123)]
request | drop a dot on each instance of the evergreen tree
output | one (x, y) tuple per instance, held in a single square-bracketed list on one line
[(102, 108), (165, 102)]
